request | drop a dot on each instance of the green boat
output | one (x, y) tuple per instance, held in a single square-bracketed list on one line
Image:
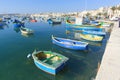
[(50, 62)]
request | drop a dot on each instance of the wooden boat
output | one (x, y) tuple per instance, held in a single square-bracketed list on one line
[(71, 23), (33, 20), (99, 33), (53, 21), (16, 24), (2, 23), (70, 44), (105, 24), (48, 61), (91, 37), (85, 28), (26, 30)]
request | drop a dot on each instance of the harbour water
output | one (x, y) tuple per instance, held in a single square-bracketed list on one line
[(14, 48)]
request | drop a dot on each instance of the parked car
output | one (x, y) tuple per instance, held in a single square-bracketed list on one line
[(114, 19)]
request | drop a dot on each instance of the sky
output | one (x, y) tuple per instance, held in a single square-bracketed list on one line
[(39, 6)]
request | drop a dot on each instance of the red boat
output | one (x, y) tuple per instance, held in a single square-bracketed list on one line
[(33, 20)]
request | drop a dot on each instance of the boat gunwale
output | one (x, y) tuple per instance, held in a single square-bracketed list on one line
[(72, 41), (48, 65)]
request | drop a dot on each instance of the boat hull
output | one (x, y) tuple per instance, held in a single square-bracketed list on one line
[(50, 21), (69, 46), (17, 25), (26, 31), (48, 69), (49, 62), (99, 33), (84, 28), (91, 37)]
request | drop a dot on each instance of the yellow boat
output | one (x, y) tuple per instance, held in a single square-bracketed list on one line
[(91, 37)]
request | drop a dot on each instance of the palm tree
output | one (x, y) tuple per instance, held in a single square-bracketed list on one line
[(118, 8), (99, 14), (88, 14), (113, 9), (105, 14)]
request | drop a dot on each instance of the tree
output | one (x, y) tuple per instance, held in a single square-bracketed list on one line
[(88, 14), (99, 15), (105, 14), (118, 8), (113, 9)]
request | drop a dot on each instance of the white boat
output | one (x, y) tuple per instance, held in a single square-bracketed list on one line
[(26, 30)]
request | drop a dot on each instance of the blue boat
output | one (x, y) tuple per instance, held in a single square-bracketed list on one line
[(2, 23), (53, 21), (48, 61), (99, 33), (70, 44), (85, 28), (16, 24)]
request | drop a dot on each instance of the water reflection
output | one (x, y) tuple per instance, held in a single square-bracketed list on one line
[(16, 29), (67, 52), (3, 26), (54, 25), (27, 35)]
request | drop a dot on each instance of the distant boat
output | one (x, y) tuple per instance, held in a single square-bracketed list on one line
[(33, 20), (71, 23), (70, 44), (99, 33), (26, 30), (93, 22), (48, 61), (105, 24), (2, 23), (16, 24), (53, 21), (91, 37)]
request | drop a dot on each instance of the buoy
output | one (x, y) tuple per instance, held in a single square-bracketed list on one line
[(29, 55)]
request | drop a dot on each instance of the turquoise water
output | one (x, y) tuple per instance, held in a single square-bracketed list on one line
[(14, 48)]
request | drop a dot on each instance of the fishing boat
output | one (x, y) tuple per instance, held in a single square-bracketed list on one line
[(16, 24), (33, 20), (2, 23), (91, 37), (26, 30), (99, 33), (105, 24), (50, 62), (53, 21), (82, 23), (70, 44), (86, 28), (71, 23)]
